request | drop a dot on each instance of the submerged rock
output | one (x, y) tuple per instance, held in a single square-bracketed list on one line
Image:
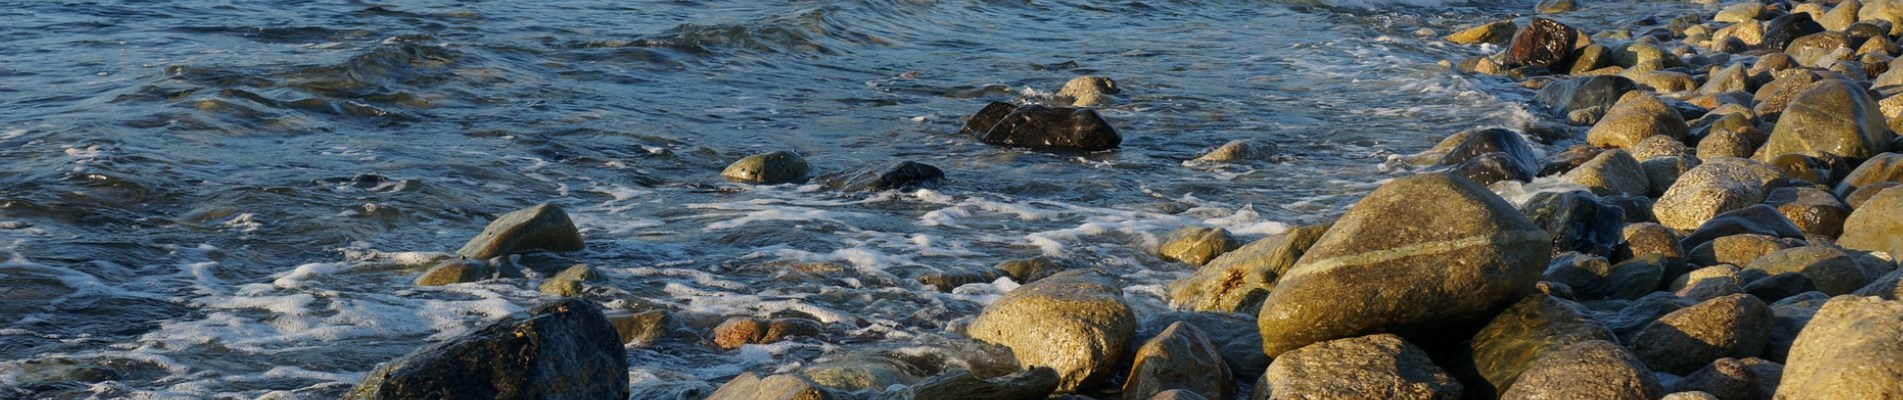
[(741, 331), (464, 271), (1525, 333), (565, 350), (959, 384), (1496, 32), (1239, 150), (1395, 264), (1367, 367), (1577, 222), (544, 227), (1039, 127), (569, 281), (903, 175), (1489, 155), (768, 168), (1074, 322)]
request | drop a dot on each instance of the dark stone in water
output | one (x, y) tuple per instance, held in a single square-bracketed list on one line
[(542, 227), (565, 350), (1492, 155), (1567, 96), (1578, 222), (1756, 219), (903, 175), (1543, 43), (1782, 30), (1043, 128)]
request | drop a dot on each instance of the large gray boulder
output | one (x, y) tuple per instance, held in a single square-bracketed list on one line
[(1074, 322), (1850, 350), (564, 350), (542, 227), (1415, 255)]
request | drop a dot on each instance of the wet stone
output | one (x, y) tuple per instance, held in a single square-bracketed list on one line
[(544, 227)]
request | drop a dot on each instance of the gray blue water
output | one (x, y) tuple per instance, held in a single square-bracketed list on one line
[(220, 199)]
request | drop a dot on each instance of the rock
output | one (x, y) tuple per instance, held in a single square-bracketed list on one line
[(1638, 209), (1179, 358), (1555, 6), (1781, 31), (1757, 219), (643, 328), (952, 277), (1595, 369), (1812, 210), (1589, 58), (1736, 250), (568, 283), (1074, 322), (768, 168), (1734, 326), (1042, 128), (1731, 143), (959, 384), (1834, 116), (1612, 173), (1496, 32), (750, 386), (1883, 10), (1780, 286), (1178, 394), (1485, 155), (1543, 42), (1821, 49), (1707, 190), (1864, 194), (1238, 280), (1729, 79), (1628, 321), (1662, 172), (1652, 239), (1367, 367), (1197, 245), (1029, 270), (1849, 351), (1587, 275), (859, 372), (1239, 150), (1876, 225), (564, 350), (741, 331), (1833, 271), (1659, 146), (1773, 97), (1577, 221), (1690, 396), (464, 271), (903, 175), (1567, 96), (1635, 117), (1635, 278), (1841, 17), (1384, 252), (543, 227), (1741, 12), (1088, 91), (1741, 34), (1731, 378), (1532, 329), (1792, 314), (1886, 167), (1662, 81)]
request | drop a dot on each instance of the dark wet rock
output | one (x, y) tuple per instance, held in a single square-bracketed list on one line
[(1179, 358), (643, 328), (1074, 322), (1888, 286), (1496, 32), (569, 282), (1886, 167), (1833, 116), (1543, 42), (1611, 173), (1638, 209), (1709, 189), (1628, 321), (1662, 172), (1595, 369), (564, 350), (768, 168), (1178, 394), (1712, 277), (1239, 280), (1376, 366), (1814, 211), (1637, 277), (1876, 225), (903, 175), (959, 384), (1820, 50), (1756, 219), (1577, 221), (1043, 128), (1792, 314), (464, 271), (1197, 245), (1635, 117), (1781, 31), (860, 372), (1027, 270), (1400, 260), (1848, 351), (1780, 286), (1555, 289), (750, 386), (1734, 326), (1489, 155), (741, 331), (1530, 330), (1587, 275), (953, 277), (1566, 161), (1734, 379), (1567, 96), (544, 227), (1833, 271)]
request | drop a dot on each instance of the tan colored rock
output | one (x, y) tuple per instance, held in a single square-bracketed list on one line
[(1813, 210), (1239, 150), (1734, 326), (1074, 322), (1367, 367), (1238, 280), (1595, 369), (1532, 329), (1714, 187), (1833, 271), (569, 282), (741, 331), (1848, 351), (1635, 117), (544, 227), (750, 386), (1496, 32), (1612, 172), (1886, 167), (768, 168), (1741, 12), (1197, 245), (1661, 81), (1834, 116), (1180, 358), (1876, 225), (1089, 91)]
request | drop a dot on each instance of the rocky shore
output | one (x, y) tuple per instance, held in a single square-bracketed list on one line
[(1719, 224)]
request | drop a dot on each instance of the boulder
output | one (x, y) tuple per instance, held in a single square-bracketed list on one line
[(1088, 91), (1530, 330), (1589, 58), (1042, 128), (1876, 225), (741, 331), (1781, 31), (1659, 146), (1637, 277), (768, 168), (1756, 219), (1813, 210), (750, 386), (1773, 97), (543, 227), (1821, 49), (1543, 42), (1613, 172), (1027, 270), (1587, 275), (1391, 264), (1734, 326), (1865, 193), (1741, 12), (1238, 280), (1780, 286), (1840, 18), (1197, 245), (1886, 167), (1736, 250), (1736, 143), (1662, 81), (903, 175), (860, 372), (1486, 155), (1731, 378), (1889, 11), (1074, 322), (1849, 351), (1707, 190), (1239, 150), (1594, 369), (643, 328), (1652, 239), (1662, 172), (1729, 79), (1833, 271), (565, 349), (1180, 358), (1792, 314), (1577, 221), (1496, 32), (1367, 367), (1633, 118), (1833, 116), (959, 384), (1577, 94), (568, 283), (1555, 6)]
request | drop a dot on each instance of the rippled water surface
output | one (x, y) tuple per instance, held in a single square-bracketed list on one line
[(230, 199)]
